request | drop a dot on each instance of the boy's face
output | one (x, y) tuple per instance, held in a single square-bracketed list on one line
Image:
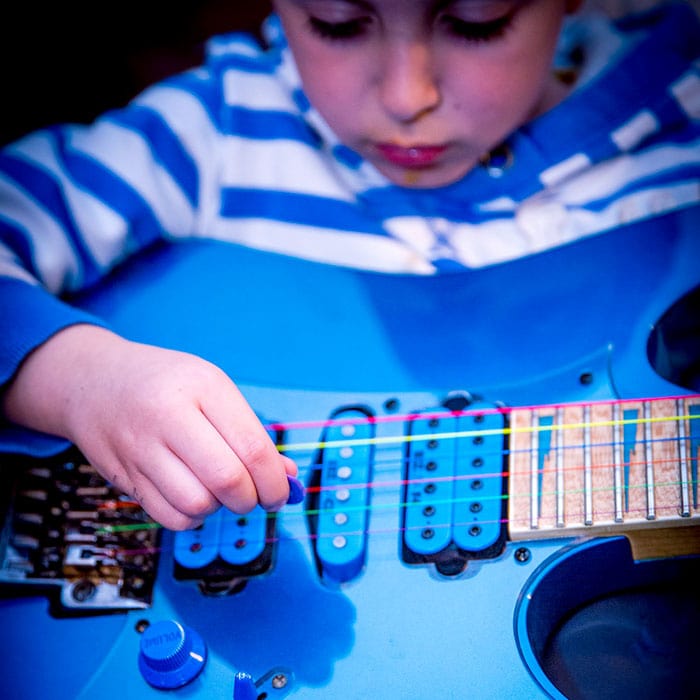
[(424, 88)]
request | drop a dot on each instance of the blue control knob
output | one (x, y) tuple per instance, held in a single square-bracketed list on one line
[(171, 654), (244, 687)]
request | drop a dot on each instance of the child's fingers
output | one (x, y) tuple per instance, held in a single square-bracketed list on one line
[(211, 459), (178, 484), (171, 512), (290, 466), (253, 447)]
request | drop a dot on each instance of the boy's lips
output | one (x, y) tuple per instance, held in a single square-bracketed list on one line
[(417, 156)]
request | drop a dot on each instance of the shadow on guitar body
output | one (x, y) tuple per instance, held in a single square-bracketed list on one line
[(285, 616)]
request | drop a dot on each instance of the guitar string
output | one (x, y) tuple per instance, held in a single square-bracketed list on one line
[(604, 517), (376, 485), (576, 517), (478, 432), (387, 485), (549, 533), (454, 435), (482, 410), (408, 505), (513, 453)]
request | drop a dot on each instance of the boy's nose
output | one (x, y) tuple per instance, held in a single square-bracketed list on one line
[(408, 86)]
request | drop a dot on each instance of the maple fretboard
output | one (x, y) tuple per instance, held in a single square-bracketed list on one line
[(603, 466)]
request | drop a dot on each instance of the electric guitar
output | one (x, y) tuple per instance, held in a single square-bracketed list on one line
[(501, 477)]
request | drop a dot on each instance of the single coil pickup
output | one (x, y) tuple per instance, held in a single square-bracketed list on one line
[(453, 495), (226, 548), (339, 500), (68, 531)]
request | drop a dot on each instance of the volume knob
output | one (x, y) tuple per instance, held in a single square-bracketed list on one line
[(171, 654), (244, 687)]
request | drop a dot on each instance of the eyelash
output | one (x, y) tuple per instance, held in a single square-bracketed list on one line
[(339, 31), (477, 32), (474, 32)]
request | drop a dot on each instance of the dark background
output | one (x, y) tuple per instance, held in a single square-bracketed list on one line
[(71, 61)]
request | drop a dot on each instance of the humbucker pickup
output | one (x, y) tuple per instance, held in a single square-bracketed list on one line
[(454, 488)]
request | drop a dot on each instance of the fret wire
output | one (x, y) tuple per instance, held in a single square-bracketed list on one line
[(559, 418), (587, 469), (683, 460), (534, 463), (649, 459), (617, 458)]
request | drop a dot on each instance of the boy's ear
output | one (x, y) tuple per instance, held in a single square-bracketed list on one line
[(573, 6)]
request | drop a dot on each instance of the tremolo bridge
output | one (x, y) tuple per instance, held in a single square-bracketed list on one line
[(69, 532)]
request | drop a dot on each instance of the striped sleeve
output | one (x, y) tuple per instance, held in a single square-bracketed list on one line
[(76, 200)]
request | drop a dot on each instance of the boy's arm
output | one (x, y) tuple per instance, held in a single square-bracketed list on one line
[(166, 427)]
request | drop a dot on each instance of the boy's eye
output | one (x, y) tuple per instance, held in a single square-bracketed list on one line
[(477, 31), (348, 29)]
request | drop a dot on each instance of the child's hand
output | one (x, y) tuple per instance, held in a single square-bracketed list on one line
[(168, 428)]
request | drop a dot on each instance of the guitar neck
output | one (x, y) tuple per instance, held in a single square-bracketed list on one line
[(618, 467)]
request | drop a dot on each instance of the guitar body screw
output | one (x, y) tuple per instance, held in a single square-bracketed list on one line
[(279, 681), (522, 555)]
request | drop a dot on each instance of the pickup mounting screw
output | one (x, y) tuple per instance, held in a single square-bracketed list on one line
[(391, 405)]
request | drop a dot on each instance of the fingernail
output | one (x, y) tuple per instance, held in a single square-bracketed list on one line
[(296, 490)]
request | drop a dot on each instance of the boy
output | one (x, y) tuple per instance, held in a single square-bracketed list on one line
[(405, 137)]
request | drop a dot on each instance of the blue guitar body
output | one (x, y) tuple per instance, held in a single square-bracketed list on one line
[(307, 342)]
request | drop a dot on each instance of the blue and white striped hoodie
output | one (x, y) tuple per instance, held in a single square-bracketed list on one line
[(233, 151)]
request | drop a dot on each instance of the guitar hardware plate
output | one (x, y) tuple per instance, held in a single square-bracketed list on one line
[(68, 532)]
